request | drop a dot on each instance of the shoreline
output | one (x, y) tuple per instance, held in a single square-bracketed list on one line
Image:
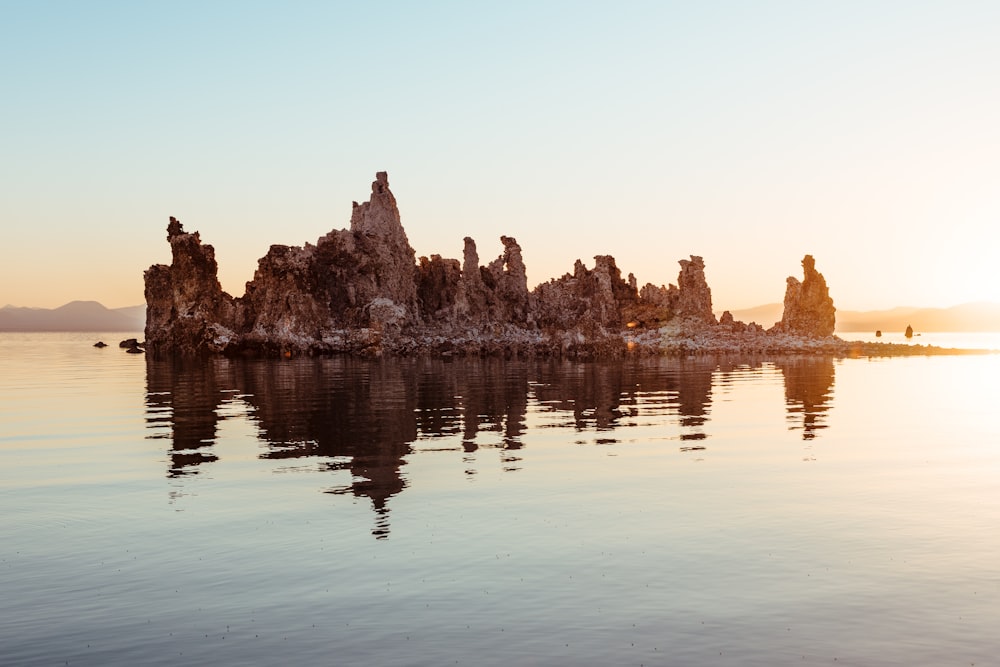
[(677, 340)]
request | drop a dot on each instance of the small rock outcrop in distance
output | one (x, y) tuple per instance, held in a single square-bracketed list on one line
[(909, 331), (809, 309), (362, 290), (132, 346), (728, 323)]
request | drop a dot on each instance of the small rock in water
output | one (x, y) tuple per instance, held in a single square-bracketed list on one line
[(100, 343), (132, 346)]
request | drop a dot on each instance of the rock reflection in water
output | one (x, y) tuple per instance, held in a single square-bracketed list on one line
[(808, 389), (184, 397), (364, 416), (358, 416), (607, 395)]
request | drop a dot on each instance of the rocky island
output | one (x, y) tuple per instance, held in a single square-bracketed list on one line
[(363, 291)]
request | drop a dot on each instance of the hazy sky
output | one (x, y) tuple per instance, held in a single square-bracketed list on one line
[(751, 133)]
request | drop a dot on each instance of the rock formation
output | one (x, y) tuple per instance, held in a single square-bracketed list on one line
[(692, 298), (591, 300), (809, 309), (186, 309), (363, 290)]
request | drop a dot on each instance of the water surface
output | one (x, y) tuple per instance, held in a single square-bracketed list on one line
[(724, 511)]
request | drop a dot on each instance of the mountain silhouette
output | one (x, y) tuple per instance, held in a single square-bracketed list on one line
[(980, 316), (94, 316), (73, 316)]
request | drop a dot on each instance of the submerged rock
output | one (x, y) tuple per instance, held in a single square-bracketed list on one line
[(132, 346)]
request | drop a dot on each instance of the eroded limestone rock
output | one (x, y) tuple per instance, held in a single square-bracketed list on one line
[(186, 309), (440, 290), (506, 280), (692, 297), (590, 300), (809, 309), (357, 279), (361, 290)]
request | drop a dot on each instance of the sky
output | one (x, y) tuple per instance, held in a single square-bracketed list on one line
[(750, 133)]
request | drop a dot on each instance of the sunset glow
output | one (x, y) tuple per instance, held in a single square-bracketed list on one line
[(749, 134)]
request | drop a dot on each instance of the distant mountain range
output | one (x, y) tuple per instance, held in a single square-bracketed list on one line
[(966, 317), (93, 316), (74, 316)]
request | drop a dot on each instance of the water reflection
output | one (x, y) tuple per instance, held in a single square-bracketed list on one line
[(356, 416), (184, 398), (366, 417), (606, 396), (808, 389)]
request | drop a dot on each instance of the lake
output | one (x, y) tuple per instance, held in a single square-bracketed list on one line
[(697, 511)]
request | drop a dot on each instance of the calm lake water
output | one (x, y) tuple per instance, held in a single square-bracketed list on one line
[(701, 511)]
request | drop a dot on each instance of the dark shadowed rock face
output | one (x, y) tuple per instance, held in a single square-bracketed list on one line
[(471, 297), (692, 298), (383, 252), (809, 309), (366, 274), (589, 300), (507, 281), (287, 298), (362, 290), (186, 309), (441, 289)]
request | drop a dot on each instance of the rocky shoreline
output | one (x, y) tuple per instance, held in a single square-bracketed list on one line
[(677, 341), (362, 291)]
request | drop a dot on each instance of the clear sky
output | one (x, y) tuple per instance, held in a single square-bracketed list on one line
[(750, 133)]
